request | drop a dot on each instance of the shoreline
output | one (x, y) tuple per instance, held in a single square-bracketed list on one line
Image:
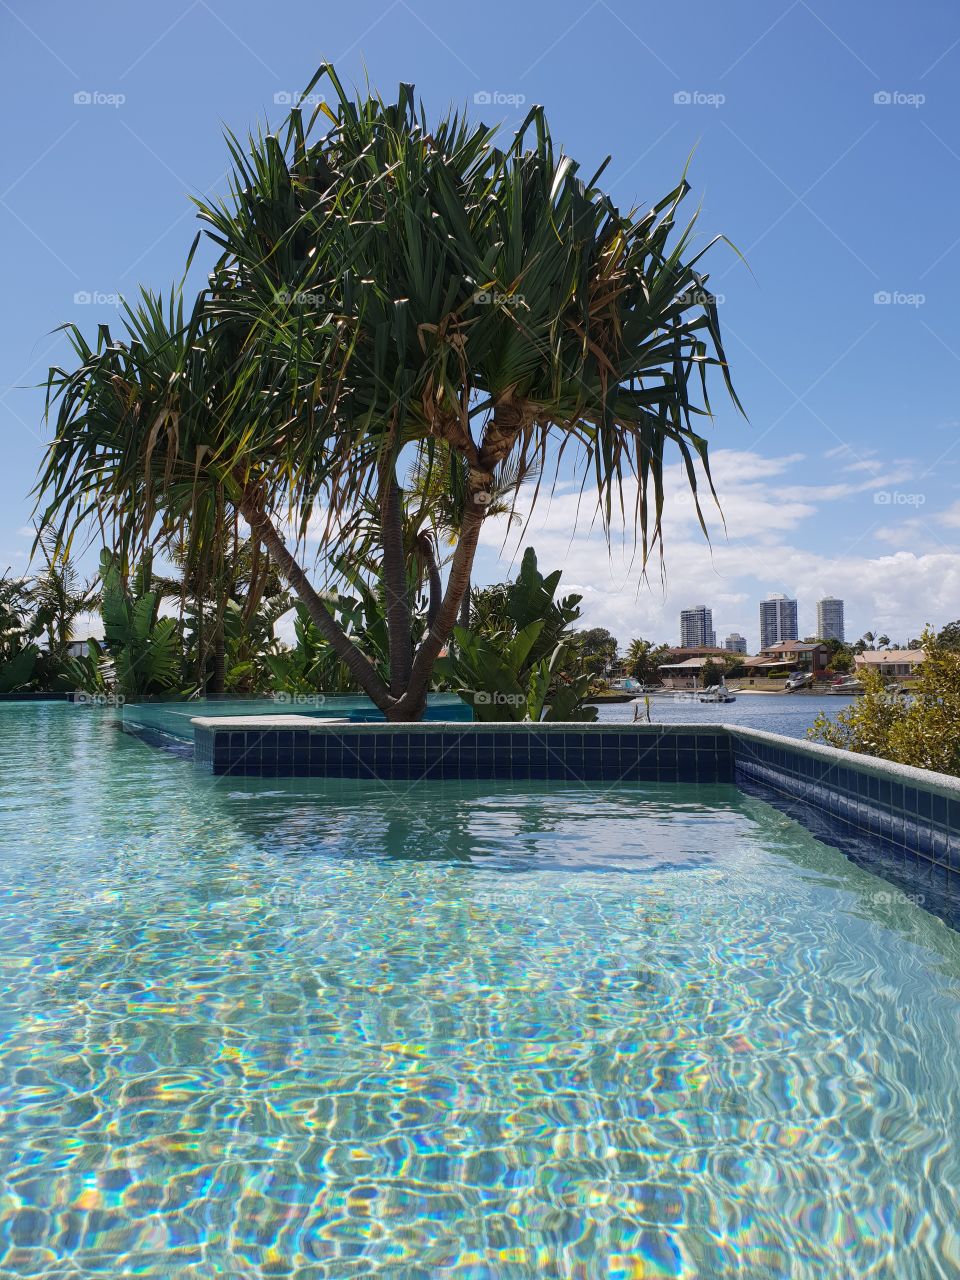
[(797, 693), (758, 693)]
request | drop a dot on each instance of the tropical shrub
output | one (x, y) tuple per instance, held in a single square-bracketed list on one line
[(143, 649), (18, 633), (920, 729), (530, 597), (711, 673), (516, 663), (494, 675)]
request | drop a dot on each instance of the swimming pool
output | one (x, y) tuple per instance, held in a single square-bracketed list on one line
[(334, 1028), (165, 719)]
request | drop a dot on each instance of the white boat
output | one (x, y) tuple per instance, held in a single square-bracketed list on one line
[(798, 680), (845, 688), (719, 693)]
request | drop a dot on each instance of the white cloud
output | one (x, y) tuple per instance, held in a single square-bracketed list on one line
[(88, 626), (777, 542), (779, 536)]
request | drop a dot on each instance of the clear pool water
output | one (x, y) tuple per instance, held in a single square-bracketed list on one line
[(329, 1029)]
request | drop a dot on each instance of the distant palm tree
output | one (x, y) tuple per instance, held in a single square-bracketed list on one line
[(638, 658), (59, 598)]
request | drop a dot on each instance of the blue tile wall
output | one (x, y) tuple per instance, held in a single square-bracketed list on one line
[(910, 826), (577, 753)]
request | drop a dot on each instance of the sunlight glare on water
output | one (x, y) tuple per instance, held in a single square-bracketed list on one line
[(333, 1029)]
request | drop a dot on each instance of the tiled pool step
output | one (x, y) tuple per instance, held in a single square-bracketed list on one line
[(909, 816)]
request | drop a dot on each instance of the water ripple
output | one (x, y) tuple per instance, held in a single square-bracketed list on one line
[(326, 1030)]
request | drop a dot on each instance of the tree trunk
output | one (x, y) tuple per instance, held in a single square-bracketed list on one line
[(219, 678), (359, 667), (257, 583), (397, 596), (201, 645), (404, 701), (434, 580), (499, 438), (411, 705)]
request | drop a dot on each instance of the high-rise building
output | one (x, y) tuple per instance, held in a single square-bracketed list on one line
[(696, 628), (830, 619), (735, 643), (778, 620)]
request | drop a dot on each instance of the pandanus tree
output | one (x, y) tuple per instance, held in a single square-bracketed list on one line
[(391, 295)]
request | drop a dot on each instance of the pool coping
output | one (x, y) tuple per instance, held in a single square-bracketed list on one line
[(243, 723), (943, 783)]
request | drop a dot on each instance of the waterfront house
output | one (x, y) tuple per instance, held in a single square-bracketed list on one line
[(811, 657), (895, 663)]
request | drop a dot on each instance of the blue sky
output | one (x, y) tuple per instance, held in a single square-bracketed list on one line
[(826, 147)]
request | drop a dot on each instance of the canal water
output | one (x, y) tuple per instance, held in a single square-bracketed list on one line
[(790, 714)]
